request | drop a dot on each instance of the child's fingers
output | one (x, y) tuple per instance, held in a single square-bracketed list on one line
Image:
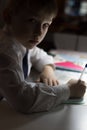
[(45, 81), (53, 82), (81, 82), (50, 83)]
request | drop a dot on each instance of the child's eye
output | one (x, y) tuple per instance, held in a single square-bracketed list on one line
[(46, 25), (31, 20)]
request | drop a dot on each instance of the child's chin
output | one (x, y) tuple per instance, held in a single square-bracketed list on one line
[(30, 47)]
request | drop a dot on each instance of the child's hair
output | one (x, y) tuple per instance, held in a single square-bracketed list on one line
[(15, 6)]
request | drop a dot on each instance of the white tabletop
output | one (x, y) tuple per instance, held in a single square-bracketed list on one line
[(66, 117)]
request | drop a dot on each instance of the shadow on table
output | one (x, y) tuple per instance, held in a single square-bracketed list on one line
[(10, 119)]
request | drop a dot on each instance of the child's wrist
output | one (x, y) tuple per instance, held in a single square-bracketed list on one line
[(49, 66)]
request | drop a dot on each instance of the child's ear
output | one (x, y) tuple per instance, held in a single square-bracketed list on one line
[(6, 16)]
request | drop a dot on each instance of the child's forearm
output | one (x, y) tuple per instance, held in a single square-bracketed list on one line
[(48, 76), (49, 67)]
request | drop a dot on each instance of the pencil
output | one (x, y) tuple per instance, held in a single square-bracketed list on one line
[(83, 72)]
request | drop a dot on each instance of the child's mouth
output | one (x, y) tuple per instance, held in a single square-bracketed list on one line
[(34, 42)]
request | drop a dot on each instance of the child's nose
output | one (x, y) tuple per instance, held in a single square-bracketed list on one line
[(38, 29)]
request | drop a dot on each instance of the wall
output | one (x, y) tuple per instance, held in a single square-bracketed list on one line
[(70, 41)]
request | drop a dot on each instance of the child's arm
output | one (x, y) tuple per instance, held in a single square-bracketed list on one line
[(48, 76), (30, 97), (45, 65)]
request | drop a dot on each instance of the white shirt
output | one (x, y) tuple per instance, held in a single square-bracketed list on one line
[(22, 95)]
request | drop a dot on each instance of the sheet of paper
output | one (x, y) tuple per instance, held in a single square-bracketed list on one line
[(79, 58)]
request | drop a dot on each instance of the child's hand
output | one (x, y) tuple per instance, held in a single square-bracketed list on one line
[(48, 77), (77, 88)]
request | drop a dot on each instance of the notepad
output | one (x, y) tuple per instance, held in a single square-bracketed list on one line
[(82, 100), (67, 65), (75, 101), (69, 61)]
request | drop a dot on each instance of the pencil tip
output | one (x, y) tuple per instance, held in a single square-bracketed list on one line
[(86, 65)]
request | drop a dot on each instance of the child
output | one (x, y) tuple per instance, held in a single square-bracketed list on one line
[(26, 24)]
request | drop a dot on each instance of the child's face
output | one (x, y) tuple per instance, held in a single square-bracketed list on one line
[(30, 28)]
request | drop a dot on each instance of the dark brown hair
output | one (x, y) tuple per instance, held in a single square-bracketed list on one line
[(15, 6)]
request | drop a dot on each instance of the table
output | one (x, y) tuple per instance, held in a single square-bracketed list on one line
[(64, 117)]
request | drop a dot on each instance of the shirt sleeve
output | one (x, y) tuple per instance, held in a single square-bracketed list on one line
[(27, 97), (40, 58)]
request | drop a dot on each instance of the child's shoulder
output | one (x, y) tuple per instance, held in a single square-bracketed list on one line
[(10, 47), (6, 44)]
